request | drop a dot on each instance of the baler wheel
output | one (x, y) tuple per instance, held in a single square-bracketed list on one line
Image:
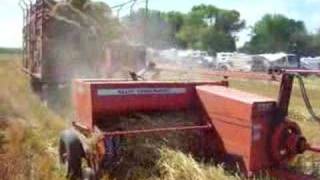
[(71, 153), (281, 151), (36, 85)]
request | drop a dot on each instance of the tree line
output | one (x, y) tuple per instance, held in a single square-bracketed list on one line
[(206, 27), (10, 50), (213, 29)]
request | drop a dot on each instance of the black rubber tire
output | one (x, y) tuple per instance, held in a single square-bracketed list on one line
[(37, 86), (71, 153)]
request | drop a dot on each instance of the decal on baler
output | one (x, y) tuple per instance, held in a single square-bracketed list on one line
[(264, 107), (256, 132), (140, 91)]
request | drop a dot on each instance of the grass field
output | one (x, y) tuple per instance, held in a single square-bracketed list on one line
[(10, 50), (297, 108), (28, 127), (29, 132), (9, 57)]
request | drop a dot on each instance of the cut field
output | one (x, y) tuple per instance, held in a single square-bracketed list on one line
[(29, 130), (29, 134)]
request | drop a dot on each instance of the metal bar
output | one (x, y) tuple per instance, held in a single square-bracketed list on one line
[(158, 130), (285, 92), (313, 148), (243, 75), (302, 71), (229, 74)]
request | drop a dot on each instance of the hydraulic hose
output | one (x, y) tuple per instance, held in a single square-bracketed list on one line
[(306, 98)]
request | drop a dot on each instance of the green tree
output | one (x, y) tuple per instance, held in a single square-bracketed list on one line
[(205, 27), (175, 21), (217, 41), (209, 28), (274, 33), (313, 46)]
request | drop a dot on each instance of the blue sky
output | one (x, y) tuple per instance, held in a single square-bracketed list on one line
[(251, 11)]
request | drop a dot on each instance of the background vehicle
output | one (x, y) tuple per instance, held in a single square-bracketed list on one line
[(280, 61)]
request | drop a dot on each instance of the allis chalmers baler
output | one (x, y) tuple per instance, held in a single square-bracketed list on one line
[(236, 128)]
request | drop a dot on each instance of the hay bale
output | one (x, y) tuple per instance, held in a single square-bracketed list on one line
[(140, 154), (74, 40), (68, 12)]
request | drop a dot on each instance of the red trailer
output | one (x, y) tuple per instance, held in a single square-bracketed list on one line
[(56, 49), (51, 57)]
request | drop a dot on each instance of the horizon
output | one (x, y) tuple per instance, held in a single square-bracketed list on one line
[(250, 11)]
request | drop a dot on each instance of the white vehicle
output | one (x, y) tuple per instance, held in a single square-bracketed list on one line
[(310, 63), (243, 62), (199, 54), (224, 56), (168, 54), (236, 62), (279, 61)]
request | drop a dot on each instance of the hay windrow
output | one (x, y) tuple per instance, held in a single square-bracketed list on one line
[(161, 156)]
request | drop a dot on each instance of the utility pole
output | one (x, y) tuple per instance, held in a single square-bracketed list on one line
[(146, 22), (147, 8)]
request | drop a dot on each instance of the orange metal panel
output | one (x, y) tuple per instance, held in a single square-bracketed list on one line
[(242, 121), (99, 99), (82, 101)]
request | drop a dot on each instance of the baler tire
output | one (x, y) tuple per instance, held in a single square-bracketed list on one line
[(278, 137), (71, 153), (36, 85)]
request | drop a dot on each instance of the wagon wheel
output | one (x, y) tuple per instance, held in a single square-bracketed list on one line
[(281, 151), (36, 86), (71, 154)]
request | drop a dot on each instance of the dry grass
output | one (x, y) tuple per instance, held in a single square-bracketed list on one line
[(9, 57), (28, 127), (177, 165), (168, 156)]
